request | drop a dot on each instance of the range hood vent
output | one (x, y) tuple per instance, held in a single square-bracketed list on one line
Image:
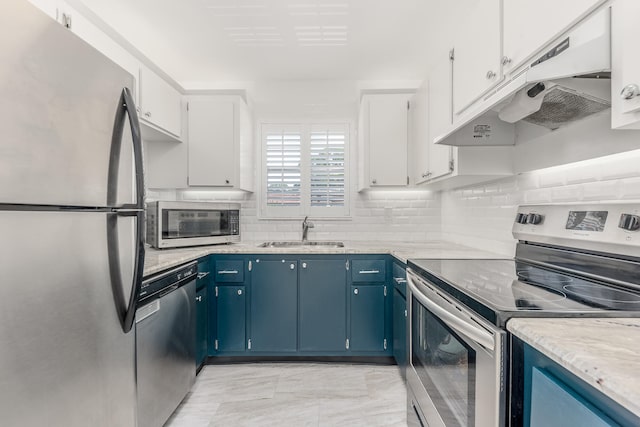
[(569, 82), (562, 105)]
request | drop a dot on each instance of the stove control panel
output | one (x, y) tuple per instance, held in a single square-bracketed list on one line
[(602, 227)]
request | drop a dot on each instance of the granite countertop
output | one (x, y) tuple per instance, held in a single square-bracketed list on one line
[(602, 352), (159, 260)]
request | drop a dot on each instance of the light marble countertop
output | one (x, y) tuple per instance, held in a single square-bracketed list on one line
[(159, 260), (602, 352)]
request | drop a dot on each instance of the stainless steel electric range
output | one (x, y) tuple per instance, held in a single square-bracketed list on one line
[(571, 261)]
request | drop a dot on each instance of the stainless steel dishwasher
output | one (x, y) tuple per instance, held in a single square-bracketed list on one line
[(165, 343)]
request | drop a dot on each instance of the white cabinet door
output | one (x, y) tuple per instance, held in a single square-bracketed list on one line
[(440, 118), (160, 103), (530, 25), (388, 137), (419, 135), (625, 64), (212, 141), (478, 46)]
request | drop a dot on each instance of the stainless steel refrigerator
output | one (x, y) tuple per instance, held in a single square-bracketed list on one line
[(71, 220)]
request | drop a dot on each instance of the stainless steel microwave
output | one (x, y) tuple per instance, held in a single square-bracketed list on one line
[(180, 224)]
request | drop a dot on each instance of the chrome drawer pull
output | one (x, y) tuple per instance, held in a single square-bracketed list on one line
[(203, 275), (369, 271), (228, 272)]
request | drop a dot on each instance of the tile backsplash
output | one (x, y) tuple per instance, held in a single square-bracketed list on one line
[(398, 215), (482, 216)]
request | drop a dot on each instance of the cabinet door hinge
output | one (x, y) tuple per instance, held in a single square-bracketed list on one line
[(452, 54), (346, 264), (347, 344), (384, 343), (249, 344), (216, 292), (385, 291), (250, 265), (215, 345)]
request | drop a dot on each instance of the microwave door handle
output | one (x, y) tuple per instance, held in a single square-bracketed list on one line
[(480, 336), (126, 108)]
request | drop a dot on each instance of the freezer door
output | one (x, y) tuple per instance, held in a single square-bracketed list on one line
[(64, 358), (57, 112)]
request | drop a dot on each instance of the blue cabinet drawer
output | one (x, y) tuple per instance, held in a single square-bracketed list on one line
[(229, 271), (368, 270)]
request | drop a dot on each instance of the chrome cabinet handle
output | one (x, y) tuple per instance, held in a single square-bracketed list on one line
[(426, 174), (228, 272), (475, 333), (355, 291), (400, 280), (199, 299), (203, 275), (630, 91), (505, 60), (304, 265), (491, 74), (239, 291), (369, 271), (292, 266)]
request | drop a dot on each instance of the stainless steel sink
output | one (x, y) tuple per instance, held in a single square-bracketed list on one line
[(300, 244)]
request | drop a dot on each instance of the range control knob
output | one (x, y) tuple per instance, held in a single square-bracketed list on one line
[(521, 218), (535, 219), (629, 222)]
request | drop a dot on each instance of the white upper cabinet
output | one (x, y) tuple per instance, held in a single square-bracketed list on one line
[(530, 25), (431, 109), (384, 140), (477, 53), (625, 65), (220, 142), (159, 103)]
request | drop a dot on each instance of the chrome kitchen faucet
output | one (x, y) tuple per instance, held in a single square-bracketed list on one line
[(306, 225)]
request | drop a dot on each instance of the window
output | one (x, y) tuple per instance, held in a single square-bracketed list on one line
[(304, 170)]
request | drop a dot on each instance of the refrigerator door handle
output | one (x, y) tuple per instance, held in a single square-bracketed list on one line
[(126, 309), (126, 108)]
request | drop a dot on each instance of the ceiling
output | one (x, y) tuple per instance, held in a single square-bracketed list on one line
[(265, 40)]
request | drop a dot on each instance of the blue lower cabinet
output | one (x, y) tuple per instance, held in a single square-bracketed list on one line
[(367, 318), (230, 318), (274, 306), (323, 306), (201, 325)]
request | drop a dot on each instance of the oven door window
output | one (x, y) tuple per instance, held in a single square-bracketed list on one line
[(445, 365), (181, 223)]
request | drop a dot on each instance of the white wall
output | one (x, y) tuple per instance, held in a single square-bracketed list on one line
[(482, 216)]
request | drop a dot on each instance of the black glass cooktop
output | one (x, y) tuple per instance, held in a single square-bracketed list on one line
[(500, 289)]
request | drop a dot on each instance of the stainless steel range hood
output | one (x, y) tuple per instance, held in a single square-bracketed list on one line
[(567, 83)]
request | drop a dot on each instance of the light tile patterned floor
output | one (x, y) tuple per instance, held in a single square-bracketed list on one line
[(294, 394)]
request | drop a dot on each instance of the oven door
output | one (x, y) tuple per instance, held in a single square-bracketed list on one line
[(456, 363)]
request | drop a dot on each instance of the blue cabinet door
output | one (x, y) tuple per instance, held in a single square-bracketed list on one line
[(399, 329), (367, 318), (230, 318), (323, 305), (274, 306), (201, 325)]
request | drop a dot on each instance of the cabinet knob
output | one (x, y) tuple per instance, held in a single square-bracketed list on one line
[(630, 91), (491, 74), (147, 114), (292, 266), (505, 60), (199, 299), (355, 291), (426, 174), (304, 265), (374, 181), (239, 291), (226, 181)]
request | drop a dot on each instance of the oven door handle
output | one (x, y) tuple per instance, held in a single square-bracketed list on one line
[(476, 333)]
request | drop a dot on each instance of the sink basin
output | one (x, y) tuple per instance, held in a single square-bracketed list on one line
[(300, 244)]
